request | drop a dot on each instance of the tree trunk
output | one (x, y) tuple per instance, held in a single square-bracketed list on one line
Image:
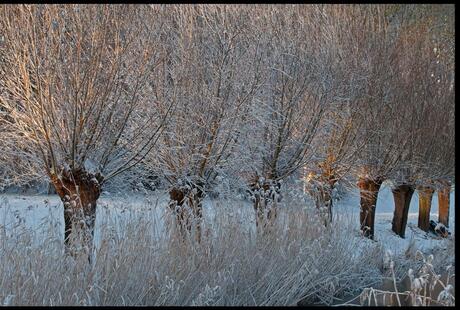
[(324, 200), (51, 189), (329, 207), (79, 191), (266, 197), (369, 190), (425, 195), (327, 198), (182, 198), (196, 202), (177, 198), (321, 188), (444, 202), (261, 206), (259, 210), (272, 212), (402, 196)]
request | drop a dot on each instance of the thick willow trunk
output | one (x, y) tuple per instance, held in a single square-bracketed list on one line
[(369, 190), (425, 196), (79, 191), (444, 202), (188, 207), (402, 196)]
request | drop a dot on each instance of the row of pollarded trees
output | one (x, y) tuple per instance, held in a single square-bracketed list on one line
[(427, 159), (197, 93), (262, 90), (413, 142), (396, 121)]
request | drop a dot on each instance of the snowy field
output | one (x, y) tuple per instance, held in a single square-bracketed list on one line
[(384, 216), (32, 211), (299, 262)]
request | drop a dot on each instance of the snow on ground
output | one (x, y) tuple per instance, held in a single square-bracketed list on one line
[(384, 215), (33, 210)]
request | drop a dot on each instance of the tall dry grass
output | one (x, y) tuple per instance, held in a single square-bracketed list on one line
[(427, 285), (140, 264)]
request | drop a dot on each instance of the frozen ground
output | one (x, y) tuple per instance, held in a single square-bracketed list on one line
[(384, 215), (32, 211)]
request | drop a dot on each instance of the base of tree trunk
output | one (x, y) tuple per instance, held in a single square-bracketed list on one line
[(266, 195), (51, 189), (187, 204), (266, 212), (79, 231), (324, 200), (402, 196), (259, 211), (425, 196), (320, 187), (369, 190), (444, 204), (79, 191)]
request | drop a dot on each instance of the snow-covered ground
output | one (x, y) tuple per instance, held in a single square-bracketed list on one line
[(384, 215), (32, 211)]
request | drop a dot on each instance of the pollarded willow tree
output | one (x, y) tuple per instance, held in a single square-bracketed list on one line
[(288, 111), (369, 50), (339, 142), (410, 107), (211, 73), (77, 100), (398, 99), (334, 159)]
